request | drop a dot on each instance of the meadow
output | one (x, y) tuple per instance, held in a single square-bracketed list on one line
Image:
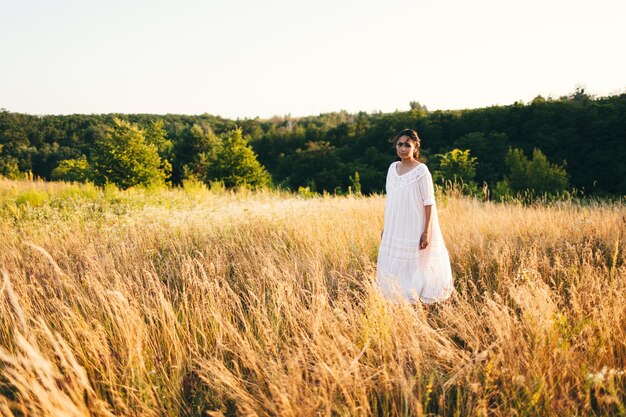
[(193, 301)]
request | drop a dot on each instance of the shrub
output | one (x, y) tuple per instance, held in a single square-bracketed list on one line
[(32, 198), (73, 170)]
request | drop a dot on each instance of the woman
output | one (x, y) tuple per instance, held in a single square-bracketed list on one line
[(413, 261)]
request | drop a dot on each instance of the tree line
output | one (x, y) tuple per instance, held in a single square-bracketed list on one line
[(547, 145)]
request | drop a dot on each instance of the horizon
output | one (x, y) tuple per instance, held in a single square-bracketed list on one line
[(290, 116), (263, 60)]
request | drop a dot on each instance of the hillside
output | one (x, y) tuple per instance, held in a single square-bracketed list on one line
[(585, 134)]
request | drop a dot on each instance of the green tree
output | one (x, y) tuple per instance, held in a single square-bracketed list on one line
[(123, 157), (77, 170), (156, 135), (459, 167), (490, 150), (235, 164), (318, 166), (416, 105), (9, 167), (197, 144), (537, 175)]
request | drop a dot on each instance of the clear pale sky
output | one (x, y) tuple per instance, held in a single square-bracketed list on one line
[(244, 58)]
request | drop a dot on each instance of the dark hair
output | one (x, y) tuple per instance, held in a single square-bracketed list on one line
[(412, 135)]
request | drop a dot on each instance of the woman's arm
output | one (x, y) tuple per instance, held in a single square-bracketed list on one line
[(427, 191), (425, 238)]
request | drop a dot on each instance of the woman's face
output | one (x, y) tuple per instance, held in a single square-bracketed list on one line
[(405, 148)]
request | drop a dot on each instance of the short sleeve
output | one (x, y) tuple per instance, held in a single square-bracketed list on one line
[(427, 190)]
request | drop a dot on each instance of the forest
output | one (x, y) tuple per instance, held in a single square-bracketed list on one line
[(575, 142)]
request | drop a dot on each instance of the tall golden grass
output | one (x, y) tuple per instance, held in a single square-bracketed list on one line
[(193, 301)]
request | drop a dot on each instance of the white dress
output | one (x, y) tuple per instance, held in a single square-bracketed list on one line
[(403, 270)]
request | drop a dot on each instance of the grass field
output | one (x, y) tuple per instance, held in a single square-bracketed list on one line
[(189, 301)]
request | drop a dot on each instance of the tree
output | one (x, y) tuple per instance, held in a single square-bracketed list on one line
[(156, 135), (458, 166), (9, 167), (538, 175), (196, 145), (235, 164), (417, 106), (77, 170), (490, 150), (317, 166), (123, 157)]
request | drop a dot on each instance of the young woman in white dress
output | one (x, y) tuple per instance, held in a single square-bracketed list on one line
[(413, 261)]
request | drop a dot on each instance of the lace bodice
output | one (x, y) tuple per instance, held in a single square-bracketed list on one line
[(399, 181)]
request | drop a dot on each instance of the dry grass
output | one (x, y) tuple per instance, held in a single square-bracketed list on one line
[(183, 302)]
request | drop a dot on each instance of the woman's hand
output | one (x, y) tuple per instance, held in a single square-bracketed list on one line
[(424, 240)]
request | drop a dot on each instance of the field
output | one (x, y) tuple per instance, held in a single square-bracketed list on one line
[(191, 301)]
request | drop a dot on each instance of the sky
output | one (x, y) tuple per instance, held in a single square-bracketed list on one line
[(247, 59)]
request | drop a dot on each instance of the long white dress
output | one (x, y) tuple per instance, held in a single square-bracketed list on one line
[(403, 269)]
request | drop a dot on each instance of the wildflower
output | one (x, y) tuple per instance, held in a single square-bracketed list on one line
[(598, 378)]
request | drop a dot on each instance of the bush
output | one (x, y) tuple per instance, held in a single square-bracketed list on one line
[(457, 167), (194, 187), (33, 198), (306, 192), (73, 170)]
